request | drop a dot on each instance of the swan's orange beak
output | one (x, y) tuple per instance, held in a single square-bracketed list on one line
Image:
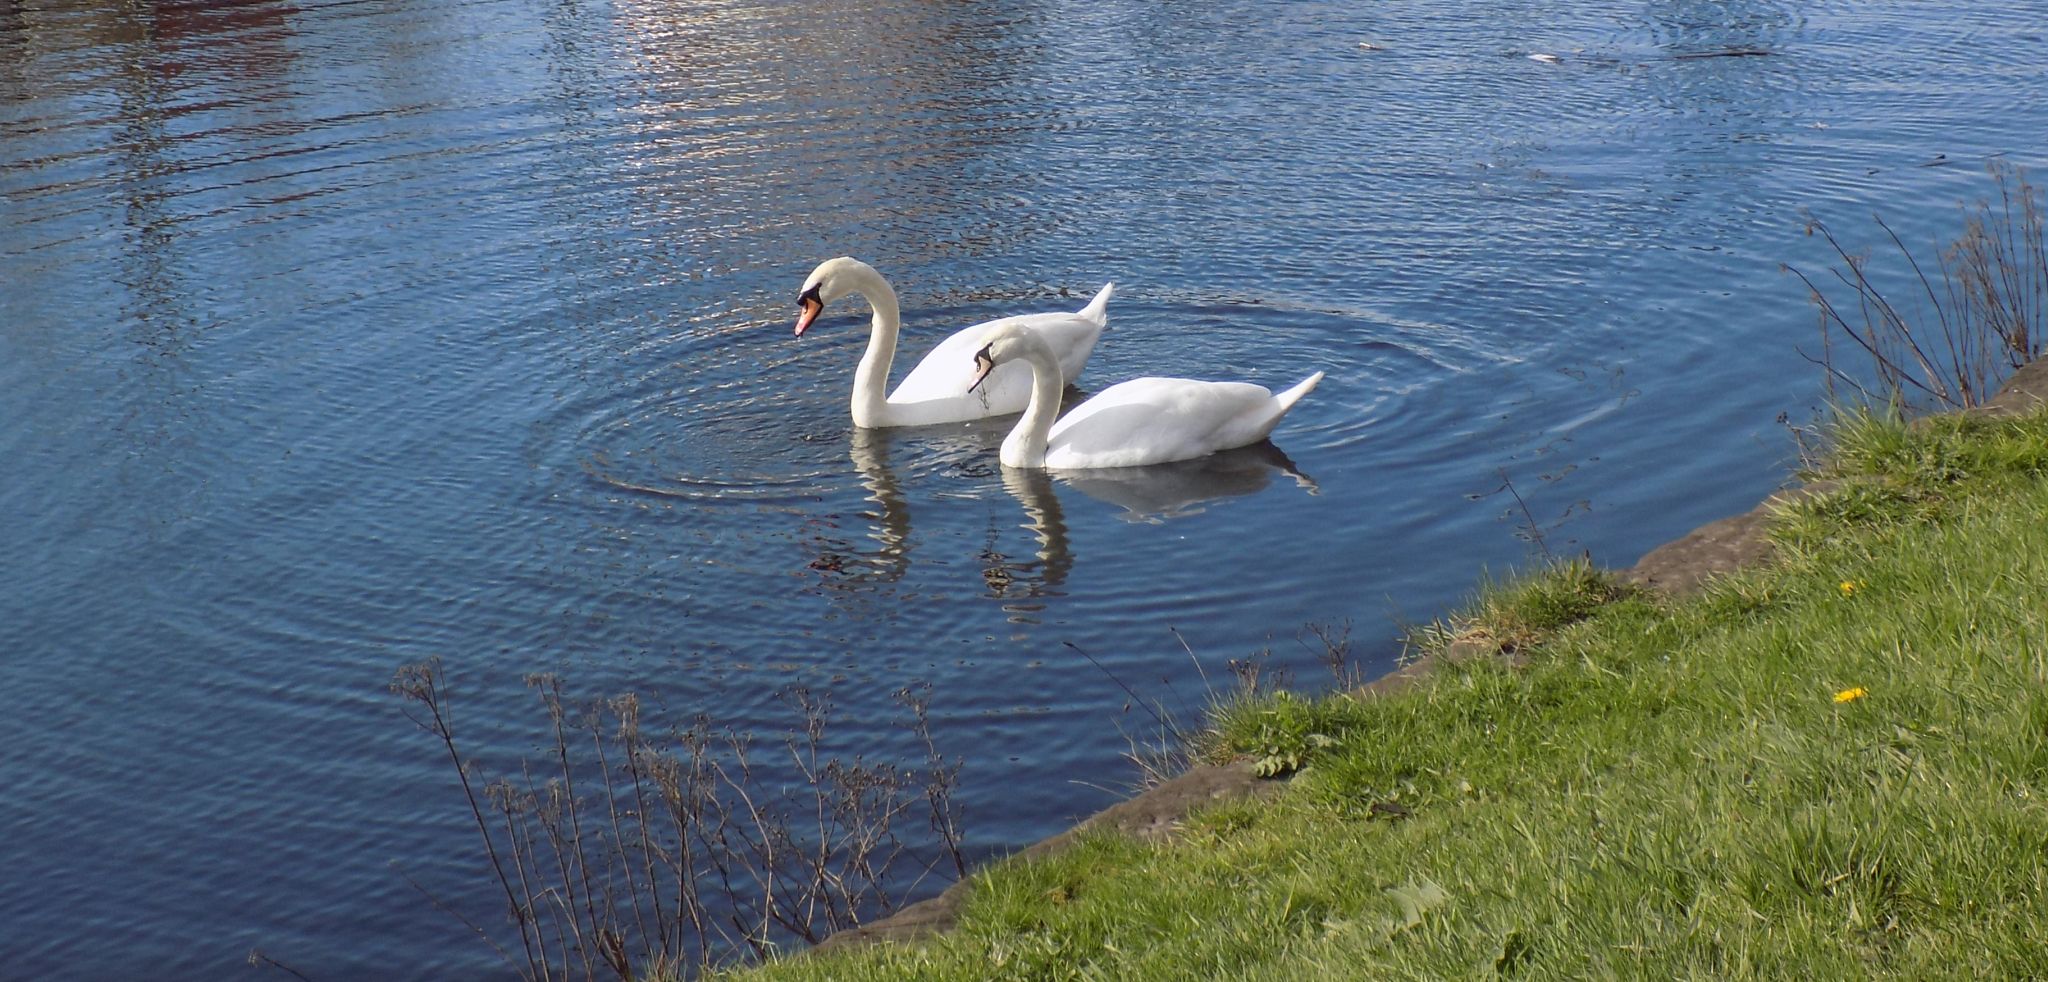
[(810, 308)]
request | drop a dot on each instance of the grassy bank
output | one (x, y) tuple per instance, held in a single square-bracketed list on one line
[(1831, 767)]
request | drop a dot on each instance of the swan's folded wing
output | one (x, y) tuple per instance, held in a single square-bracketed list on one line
[(1153, 420), (949, 369)]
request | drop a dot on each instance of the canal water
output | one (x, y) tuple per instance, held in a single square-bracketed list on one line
[(335, 336)]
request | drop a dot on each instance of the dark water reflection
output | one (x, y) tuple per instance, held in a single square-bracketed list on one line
[(334, 336)]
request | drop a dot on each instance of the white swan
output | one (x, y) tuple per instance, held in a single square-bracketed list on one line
[(938, 389), (1142, 421)]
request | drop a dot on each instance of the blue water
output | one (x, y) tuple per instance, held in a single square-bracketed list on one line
[(334, 336)]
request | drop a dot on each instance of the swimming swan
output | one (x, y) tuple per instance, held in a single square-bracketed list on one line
[(1142, 421), (937, 390)]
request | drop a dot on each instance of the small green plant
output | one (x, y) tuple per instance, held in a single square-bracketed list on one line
[(1279, 732), (1173, 744), (1284, 753), (1513, 616)]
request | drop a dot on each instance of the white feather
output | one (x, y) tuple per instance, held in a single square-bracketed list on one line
[(937, 390), (1142, 421)]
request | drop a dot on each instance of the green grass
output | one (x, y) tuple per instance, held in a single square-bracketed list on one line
[(1508, 617), (1664, 789)]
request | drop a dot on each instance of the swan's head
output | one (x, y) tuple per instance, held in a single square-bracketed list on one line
[(1004, 344), (834, 278)]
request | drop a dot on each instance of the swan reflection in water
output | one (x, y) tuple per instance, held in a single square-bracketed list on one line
[(889, 528), (1152, 494), (1047, 523), (1157, 492), (888, 524)]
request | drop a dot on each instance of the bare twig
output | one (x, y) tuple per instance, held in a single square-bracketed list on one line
[(1136, 699), (1528, 517), (1988, 316), (258, 959), (697, 854), (421, 683)]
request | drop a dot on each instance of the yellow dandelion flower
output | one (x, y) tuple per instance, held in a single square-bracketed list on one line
[(1849, 587), (1850, 695)]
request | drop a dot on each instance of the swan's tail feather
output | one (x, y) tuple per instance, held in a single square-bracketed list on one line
[(1288, 398), (1098, 308), (1258, 424)]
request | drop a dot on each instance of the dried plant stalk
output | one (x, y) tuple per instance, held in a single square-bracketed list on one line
[(1987, 316), (645, 855)]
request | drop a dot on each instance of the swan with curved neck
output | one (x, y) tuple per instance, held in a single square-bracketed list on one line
[(941, 389), (1142, 421)]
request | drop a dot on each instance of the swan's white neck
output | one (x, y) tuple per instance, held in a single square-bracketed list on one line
[(871, 379), (1025, 446)]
